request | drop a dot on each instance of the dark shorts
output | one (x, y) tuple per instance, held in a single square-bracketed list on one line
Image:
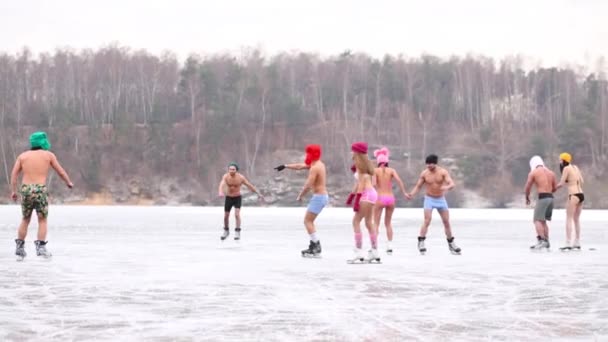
[(34, 197), (232, 202)]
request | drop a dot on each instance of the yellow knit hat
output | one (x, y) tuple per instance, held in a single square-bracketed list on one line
[(565, 157)]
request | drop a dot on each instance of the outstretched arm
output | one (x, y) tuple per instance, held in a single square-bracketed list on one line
[(14, 176), (250, 186), (297, 166), (60, 171), (418, 185)]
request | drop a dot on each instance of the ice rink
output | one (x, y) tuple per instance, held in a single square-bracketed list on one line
[(162, 274)]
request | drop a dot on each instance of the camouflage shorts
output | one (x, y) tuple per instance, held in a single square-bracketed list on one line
[(34, 197)]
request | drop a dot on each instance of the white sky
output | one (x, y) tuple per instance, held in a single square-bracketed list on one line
[(555, 32)]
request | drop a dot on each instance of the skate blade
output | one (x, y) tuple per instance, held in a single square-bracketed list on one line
[(422, 252), (355, 261), (19, 258), (389, 252), (311, 256), (456, 253)]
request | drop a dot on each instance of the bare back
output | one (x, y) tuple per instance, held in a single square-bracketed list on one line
[(434, 181), (384, 180), (317, 177), (573, 177), (36, 164), (544, 179)]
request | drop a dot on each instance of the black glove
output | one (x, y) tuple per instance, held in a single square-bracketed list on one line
[(280, 167)]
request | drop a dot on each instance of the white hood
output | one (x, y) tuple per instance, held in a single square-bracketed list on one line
[(535, 162)]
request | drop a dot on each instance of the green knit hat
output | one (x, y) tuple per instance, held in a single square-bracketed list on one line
[(234, 164), (40, 140)]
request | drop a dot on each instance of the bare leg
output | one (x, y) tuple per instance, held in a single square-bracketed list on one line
[(22, 232), (309, 222), (570, 208), (357, 222), (226, 219), (42, 227), (377, 215), (366, 211), (540, 229), (577, 222), (428, 213), (445, 218), (237, 216), (388, 216)]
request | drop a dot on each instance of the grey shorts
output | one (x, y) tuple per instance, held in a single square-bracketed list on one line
[(543, 209)]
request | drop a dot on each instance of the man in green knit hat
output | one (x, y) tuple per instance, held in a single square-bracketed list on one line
[(35, 165), (233, 180)]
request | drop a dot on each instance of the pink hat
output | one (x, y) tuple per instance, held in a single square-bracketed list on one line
[(382, 155), (359, 147)]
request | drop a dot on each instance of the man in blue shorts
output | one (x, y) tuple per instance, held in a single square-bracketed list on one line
[(316, 181), (437, 181)]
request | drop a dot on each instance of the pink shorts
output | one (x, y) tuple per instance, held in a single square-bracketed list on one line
[(386, 200), (369, 195)]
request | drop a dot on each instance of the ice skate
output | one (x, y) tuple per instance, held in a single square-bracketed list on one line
[(389, 248), (313, 250), (20, 250), (373, 256), (421, 246), (237, 234), (41, 249), (358, 258), (453, 248), (225, 234)]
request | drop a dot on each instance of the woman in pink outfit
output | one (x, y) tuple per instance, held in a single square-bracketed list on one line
[(386, 200), (364, 197)]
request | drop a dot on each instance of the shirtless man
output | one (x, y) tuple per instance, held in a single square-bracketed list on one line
[(35, 165), (572, 178), (233, 180), (437, 181), (545, 182), (316, 181)]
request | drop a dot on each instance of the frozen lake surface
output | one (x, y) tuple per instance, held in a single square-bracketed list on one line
[(162, 274)]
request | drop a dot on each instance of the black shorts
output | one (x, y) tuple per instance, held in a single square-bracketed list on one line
[(232, 202), (580, 195)]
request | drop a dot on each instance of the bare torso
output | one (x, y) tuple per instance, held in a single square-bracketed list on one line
[(434, 180), (233, 184), (319, 174), (384, 180), (35, 166)]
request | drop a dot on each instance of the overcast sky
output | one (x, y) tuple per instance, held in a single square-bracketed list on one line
[(554, 32)]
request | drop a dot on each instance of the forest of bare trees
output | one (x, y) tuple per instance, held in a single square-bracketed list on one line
[(117, 114)]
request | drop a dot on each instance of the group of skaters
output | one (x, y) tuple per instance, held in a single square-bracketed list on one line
[(370, 197)]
